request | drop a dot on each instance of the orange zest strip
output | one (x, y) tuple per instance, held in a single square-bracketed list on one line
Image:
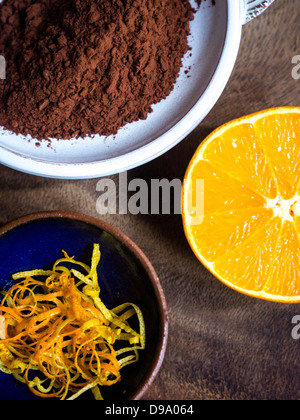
[(60, 337)]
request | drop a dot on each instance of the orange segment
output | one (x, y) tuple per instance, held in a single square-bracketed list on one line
[(243, 158), (222, 192), (286, 261), (279, 135), (248, 265), (248, 234), (221, 232)]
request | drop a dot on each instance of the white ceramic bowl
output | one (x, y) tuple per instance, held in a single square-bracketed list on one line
[(215, 39)]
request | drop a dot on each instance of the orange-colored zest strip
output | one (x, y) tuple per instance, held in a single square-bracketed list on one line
[(55, 328)]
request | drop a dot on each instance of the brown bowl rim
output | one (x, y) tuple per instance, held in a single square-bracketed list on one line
[(163, 311)]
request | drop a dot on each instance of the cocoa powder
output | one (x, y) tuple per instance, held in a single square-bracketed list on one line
[(76, 68)]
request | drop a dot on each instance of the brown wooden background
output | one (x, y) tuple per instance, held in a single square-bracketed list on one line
[(222, 345)]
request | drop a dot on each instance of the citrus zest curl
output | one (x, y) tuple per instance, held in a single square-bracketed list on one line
[(60, 338)]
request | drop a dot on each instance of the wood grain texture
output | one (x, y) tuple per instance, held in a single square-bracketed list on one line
[(222, 345)]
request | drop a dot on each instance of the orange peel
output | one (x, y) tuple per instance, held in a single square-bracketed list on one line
[(59, 337)]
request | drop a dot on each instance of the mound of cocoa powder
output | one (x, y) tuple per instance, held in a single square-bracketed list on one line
[(77, 68)]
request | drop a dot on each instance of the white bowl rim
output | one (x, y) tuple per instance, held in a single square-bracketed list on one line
[(160, 145)]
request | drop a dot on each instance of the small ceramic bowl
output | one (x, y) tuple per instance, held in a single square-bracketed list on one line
[(125, 275)]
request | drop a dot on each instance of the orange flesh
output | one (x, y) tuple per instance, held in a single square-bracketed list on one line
[(248, 236)]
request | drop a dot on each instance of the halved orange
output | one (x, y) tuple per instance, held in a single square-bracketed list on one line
[(247, 230)]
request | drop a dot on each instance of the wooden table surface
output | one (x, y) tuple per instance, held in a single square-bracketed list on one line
[(222, 345)]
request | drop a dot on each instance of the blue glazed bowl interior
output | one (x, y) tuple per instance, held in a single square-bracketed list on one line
[(122, 278)]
